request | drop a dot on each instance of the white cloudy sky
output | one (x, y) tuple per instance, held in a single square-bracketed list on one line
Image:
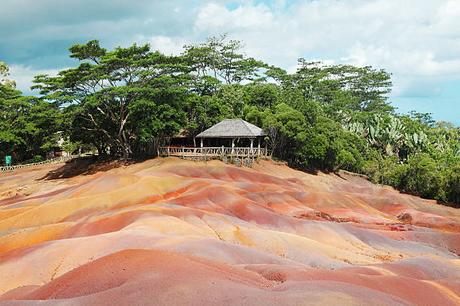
[(417, 41)]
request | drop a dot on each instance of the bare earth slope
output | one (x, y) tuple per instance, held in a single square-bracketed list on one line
[(172, 232)]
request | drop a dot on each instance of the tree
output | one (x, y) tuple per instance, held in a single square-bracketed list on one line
[(222, 60), (329, 147), (367, 88), (4, 73), (453, 184), (112, 87), (261, 94), (423, 177), (203, 112), (28, 125), (284, 126)]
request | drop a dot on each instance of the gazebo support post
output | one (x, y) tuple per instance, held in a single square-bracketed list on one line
[(233, 145), (201, 142), (251, 151), (258, 147)]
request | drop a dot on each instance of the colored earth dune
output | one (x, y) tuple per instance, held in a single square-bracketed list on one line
[(174, 232)]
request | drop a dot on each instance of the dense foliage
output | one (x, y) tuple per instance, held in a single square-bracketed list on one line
[(29, 125), (128, 101)]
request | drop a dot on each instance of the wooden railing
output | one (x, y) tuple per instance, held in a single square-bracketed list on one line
[(48, 161), (213, 152)]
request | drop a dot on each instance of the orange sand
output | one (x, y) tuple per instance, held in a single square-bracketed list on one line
[(174, 232)]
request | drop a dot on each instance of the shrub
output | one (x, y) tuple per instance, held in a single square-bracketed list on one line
[(423, 178), (37, 159), (386, 171), (453, 184)]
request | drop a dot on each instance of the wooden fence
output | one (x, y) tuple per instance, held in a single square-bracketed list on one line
[(48, 161), (238, 155)]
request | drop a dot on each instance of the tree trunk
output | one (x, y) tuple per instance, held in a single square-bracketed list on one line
[(124, 142), (126, 150)]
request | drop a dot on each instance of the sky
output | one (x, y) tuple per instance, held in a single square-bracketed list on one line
[(418, 42)]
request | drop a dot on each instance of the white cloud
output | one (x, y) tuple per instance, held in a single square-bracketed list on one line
[(23, 76), (417, 41), (448, 18), (217, 17), (167, 45)]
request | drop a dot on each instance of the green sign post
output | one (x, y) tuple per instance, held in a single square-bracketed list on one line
[(8, 160)]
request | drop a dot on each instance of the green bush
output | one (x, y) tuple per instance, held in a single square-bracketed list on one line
[(345, 160), (453, 184), (37, 159), (386, 171), (423, 177), (329, 147)]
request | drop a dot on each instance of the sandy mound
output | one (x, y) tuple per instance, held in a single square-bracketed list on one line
[(175, 232)]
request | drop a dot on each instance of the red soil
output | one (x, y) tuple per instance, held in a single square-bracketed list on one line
[(167, 231)]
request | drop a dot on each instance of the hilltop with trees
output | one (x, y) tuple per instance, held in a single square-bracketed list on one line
[(126, 102)]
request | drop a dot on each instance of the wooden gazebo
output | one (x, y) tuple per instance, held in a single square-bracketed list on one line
[(233, 129), (219, 141)]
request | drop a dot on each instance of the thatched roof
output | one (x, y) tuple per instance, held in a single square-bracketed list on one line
[(232, 128)]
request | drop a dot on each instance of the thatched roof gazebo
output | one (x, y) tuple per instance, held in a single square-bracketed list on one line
[(233, 129), (218, 135)]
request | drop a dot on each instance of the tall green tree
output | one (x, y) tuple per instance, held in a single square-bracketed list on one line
[(364, 88), (28, 125), (223, 60), (115, 89)]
